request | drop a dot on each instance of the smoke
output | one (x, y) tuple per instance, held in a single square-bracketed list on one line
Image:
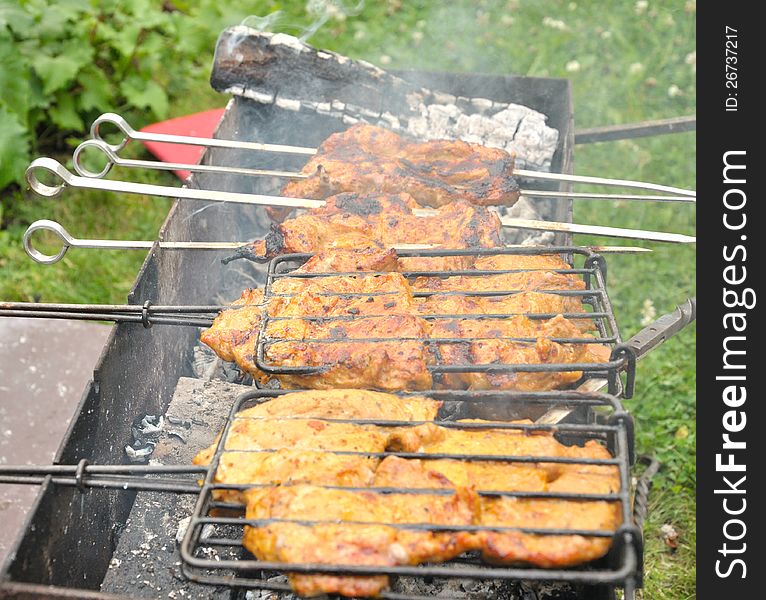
[(321, 11), (271, 22), (324, 10)]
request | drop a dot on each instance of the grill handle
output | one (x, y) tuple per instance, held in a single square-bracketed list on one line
[(649, 338), (663, 328)]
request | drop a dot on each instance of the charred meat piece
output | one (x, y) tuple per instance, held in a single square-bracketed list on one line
[(369, 331), (377, 220), (514, 341), (366, 158), (388, 364)]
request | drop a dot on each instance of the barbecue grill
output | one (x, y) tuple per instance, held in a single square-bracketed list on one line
[(140, 367)]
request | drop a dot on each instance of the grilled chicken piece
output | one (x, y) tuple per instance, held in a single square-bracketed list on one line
[(308, 464), (521, 304), (370, 543), (377, 220), (491, 349), (344, 260), (367, 528), (235, 326), (367, 158), (511, 547), (346, 404), (315, 324), (540, 272), (285, 440), (340, 362)]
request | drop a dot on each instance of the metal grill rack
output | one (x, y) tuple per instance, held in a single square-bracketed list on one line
[(219, 557), (594, 298)]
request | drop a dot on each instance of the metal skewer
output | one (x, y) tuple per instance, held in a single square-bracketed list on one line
[(131, 134), (53, 167), (600, 230), (112, 159), (124, 477), (68, 241), (71, 242)]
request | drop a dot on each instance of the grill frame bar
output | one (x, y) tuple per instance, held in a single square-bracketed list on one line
[(594, 274), (620, 567)]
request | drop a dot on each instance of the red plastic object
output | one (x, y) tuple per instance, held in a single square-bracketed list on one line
[(200, 124)]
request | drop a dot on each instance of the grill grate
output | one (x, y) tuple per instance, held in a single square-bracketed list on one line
[(219, 557), (594, 299)]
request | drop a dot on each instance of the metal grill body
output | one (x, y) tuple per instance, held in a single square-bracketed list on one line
[(139, 368)]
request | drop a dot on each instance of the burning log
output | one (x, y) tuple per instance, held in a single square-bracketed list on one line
[(280, 69)]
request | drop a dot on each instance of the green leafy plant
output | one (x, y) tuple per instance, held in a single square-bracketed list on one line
[(62, 62)]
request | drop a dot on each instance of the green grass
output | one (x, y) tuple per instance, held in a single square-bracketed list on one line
[(626, 64)]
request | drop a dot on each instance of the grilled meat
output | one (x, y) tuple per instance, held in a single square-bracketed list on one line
[(346, 404), (370, 542), (235, 326), (514, 341), (508, 511), (285, 440), (391, 364), (367, 158), (325, 525), (314, 323), (377, 220), (539, 272)]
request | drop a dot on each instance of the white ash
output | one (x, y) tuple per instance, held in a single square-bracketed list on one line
[(139, 455), (288, 104), (289, 41), (272, 594), (183, 525), (149, 427), (516, 129)]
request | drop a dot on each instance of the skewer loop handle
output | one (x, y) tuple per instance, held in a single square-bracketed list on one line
[(105, 149), (47, 225), (51, 166), (120, 123)]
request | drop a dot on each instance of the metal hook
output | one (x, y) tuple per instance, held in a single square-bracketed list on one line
[(68, 241), (100, 145), (46, 225), (50, 166), (126, 187), (132, 134), (121, 124)]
